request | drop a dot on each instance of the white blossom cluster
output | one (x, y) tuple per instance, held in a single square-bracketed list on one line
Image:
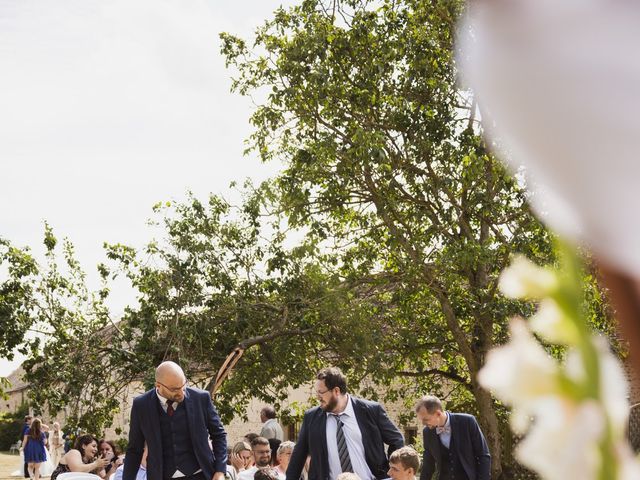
[(573, 414)]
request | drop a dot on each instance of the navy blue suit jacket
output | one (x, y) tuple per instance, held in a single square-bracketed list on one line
[(204, 423), (467, 444), (376, 429)]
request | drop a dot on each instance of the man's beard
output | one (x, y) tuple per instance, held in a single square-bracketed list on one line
[(330, 406)]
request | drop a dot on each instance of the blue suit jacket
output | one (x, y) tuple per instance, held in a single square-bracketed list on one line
[(376, 429), (204, 423), (467, 444)]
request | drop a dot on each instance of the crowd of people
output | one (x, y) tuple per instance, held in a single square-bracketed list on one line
[(47, 451), (176, 433)]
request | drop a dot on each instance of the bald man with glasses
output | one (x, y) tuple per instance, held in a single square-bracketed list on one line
[(177, 423)]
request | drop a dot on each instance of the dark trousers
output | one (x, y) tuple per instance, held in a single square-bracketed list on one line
[(26, 470)]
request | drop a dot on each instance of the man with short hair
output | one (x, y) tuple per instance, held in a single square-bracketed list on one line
[(177, 422), (343, 434), (454, 446), (25, 429), (404, 463), (261, 455), (270, 428)]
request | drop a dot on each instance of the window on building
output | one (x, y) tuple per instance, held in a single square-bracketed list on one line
[(410, 435)]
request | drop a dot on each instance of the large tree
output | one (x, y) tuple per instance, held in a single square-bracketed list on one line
[(403, 220), (19, 269), (383, 154)]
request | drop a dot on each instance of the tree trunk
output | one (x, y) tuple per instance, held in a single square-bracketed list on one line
[(490, 427)]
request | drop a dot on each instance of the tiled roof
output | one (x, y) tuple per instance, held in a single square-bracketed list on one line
[(17, 383)]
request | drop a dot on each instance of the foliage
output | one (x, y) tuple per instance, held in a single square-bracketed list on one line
[(65, 355), (377, 249), (11, 427), (16, 293), (221, 279), (574, 412), (386, 168)]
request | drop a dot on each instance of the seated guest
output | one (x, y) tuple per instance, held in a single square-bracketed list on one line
[(241, 457), (265, 474), (81, 458), (283, 455), (261, 455), (110, 451), (142, 471)]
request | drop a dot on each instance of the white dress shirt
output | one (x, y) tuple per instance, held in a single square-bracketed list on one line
[(353, 438), (445, 438)]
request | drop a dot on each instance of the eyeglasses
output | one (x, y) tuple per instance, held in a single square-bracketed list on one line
[(173, 389), (319, 393)]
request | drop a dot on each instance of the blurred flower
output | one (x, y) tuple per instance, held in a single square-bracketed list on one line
[(524, 279), (552, 325), (520, 371), (563, 103), (563, 441)]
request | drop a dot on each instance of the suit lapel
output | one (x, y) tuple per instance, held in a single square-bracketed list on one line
[(435, 445), (321, 422), (364, 424), (188, 410), (360, 414), (154, 415), (453, 422)]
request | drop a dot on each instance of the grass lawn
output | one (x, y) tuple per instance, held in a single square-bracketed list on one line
[(9, 464)]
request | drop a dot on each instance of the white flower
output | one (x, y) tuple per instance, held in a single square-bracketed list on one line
[(564, 102), (628, 463), (520, 420), (524, 279), (563, 442), (520, 371), (551, 324), (614, 389)]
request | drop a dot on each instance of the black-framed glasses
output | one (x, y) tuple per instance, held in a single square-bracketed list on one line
[(174, 389)]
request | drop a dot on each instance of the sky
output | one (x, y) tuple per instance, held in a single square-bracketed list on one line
[(110, 106)]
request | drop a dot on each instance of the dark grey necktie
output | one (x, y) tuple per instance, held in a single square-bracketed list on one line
[(343, 451)]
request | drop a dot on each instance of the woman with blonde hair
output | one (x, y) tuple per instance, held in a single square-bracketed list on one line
[(56, 444)]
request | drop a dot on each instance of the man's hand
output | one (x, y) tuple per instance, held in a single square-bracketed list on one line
[(218, 476)]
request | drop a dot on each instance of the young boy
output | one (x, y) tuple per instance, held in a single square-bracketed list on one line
[(404, 463)]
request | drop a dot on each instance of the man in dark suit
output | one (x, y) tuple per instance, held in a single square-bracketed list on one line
[(343, 434), (176, 422), (454, 446)]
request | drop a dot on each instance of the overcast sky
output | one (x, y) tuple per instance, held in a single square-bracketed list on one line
[(109, 106)]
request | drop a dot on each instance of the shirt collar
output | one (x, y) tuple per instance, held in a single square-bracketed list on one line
[(447, 423), (163, 401)]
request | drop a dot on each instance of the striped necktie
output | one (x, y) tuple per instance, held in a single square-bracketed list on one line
[(343, 451), (170, 409)]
